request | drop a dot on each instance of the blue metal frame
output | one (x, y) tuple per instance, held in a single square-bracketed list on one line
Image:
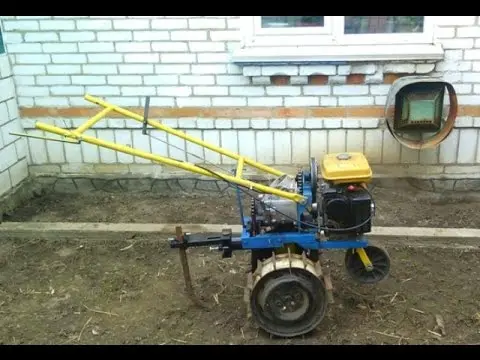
[(304, 238), (307, 192)]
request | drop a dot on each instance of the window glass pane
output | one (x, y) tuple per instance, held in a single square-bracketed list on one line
[(383, 24), (2, 47), (292, 21)]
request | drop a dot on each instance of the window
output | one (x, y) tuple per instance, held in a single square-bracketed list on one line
[(290, 24), (297, 36), (383, 24), (292, 21)]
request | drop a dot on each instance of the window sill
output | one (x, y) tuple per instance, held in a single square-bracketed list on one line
[(337, 53)]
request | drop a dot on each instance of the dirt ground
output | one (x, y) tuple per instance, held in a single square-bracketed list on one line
[(131, 291), (393, 208)]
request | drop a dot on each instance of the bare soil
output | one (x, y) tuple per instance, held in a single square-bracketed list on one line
[(131, 291), (395, 207)]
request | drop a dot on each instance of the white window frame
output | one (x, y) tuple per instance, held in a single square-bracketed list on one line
[(329, 43)]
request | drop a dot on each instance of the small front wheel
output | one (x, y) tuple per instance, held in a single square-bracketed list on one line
[(356, 268)]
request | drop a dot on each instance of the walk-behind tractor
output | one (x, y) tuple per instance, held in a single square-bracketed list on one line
[(292, 222)]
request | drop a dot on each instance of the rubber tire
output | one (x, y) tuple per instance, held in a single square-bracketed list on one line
[(380, 261)]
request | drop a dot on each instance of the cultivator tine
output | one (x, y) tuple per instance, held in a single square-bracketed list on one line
[(326, 278), (186, 269), (184, 261), (247, 293), (328, 284)]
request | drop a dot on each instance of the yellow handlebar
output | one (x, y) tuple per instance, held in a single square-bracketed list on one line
[(78, 134)]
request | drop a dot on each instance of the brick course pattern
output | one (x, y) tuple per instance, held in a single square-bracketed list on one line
[(13, 150), (184, 62)]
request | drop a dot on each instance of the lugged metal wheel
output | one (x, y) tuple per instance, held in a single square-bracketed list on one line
[(289, 302), (379, 259)]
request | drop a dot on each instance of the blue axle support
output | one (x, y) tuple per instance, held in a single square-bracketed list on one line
[(306, 240)]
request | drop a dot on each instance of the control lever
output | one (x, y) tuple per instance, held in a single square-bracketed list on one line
[(145, 115)]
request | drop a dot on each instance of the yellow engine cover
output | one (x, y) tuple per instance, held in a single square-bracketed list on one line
[(346, 168)]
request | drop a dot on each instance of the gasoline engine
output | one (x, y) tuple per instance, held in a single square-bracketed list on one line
[(293, 221), (343, 206)]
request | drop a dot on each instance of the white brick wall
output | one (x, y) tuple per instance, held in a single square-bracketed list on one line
[(185, 61), (196, 51), (275, 141), (13, 150)]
